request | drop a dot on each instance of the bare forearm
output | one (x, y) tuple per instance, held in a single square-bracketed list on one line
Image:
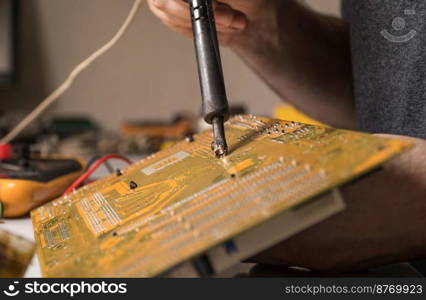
[(384, 222), (304, 57), (392, 205)]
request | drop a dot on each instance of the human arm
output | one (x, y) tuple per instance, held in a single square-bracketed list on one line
[(383, 223), (302, 55)]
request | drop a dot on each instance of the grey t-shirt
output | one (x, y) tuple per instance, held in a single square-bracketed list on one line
[(389, 61)]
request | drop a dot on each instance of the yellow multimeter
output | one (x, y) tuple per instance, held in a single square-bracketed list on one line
[(26, 184)]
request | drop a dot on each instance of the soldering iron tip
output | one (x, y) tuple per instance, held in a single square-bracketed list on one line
[(219, 145), (219, 150)]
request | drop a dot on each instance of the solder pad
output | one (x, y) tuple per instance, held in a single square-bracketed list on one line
[(187, 201)]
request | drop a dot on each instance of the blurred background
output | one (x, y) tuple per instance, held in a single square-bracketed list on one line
[(150, 74)]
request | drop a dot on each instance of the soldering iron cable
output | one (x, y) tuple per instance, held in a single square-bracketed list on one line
[(72, 76)]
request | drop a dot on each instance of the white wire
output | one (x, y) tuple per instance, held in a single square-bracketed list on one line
[(73, 75)]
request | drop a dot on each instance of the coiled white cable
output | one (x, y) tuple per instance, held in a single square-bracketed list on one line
[(70, 79)]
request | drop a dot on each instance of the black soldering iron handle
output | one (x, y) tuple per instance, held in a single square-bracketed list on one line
[(215, 102)]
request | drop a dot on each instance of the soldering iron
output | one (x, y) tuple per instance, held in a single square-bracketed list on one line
[(215, 103)]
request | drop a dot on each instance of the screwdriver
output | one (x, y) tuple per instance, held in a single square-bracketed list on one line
[(215, 107)]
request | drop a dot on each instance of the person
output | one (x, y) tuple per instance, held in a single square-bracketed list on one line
[(367, 72)]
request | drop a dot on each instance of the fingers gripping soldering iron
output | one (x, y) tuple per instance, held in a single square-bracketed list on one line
[(215, 103)]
